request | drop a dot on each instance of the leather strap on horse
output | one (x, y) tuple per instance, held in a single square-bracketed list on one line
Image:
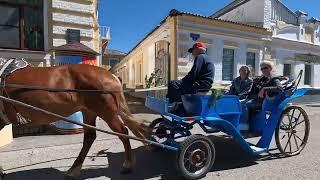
[(3, 117), (106, 91)]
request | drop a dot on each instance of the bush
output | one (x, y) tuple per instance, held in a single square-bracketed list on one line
[(154, 80)]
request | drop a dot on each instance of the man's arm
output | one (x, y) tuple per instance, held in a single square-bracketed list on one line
[(275, 88), (195, 70)]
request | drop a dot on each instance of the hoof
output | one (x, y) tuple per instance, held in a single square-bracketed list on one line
[(126, 170), (1, 174), (66, 177)]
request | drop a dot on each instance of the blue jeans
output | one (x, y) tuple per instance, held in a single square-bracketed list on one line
[(176, 88)]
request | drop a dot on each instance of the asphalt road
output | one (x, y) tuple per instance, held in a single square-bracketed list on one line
[(49, 156)]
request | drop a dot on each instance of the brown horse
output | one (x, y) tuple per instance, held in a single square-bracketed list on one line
[(108, 106)]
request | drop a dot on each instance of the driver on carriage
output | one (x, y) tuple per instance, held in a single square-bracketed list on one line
[(199, 79)]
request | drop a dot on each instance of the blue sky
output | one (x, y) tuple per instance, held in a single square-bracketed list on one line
[(131, 20)]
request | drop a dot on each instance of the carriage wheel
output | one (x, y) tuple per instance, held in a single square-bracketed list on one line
[(195, 157), (160, 132), (292, 131)]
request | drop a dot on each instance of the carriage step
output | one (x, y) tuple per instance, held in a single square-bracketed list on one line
[(258, 150)]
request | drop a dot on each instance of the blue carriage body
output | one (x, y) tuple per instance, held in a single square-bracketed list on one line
[(225, 115)]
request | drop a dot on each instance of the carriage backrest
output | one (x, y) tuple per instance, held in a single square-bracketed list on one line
[(196, 105), (228, 104)]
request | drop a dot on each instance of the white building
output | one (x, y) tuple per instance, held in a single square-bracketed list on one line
[(295, 41), (31, 29), (245, 32)]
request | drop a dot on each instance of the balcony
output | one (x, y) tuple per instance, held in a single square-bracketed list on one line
[(105, 32)]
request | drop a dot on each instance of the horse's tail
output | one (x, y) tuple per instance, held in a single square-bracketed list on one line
[(138, 128)]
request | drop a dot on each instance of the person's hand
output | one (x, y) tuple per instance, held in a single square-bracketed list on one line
[(261, 93)]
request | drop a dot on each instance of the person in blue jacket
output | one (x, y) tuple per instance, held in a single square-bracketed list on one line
[(199, 79), (241, 86)]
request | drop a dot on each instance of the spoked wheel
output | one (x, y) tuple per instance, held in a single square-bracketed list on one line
[(161, 131), (292, 131), (195, 157)]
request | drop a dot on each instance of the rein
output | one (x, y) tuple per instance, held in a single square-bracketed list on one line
[(102, 91)]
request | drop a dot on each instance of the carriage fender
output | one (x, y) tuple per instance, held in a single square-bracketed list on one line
[(299, 93)]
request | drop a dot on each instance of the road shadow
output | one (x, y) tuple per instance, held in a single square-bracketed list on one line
[(149, 164)]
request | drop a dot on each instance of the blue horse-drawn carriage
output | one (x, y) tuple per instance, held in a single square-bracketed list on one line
[(196, 153)]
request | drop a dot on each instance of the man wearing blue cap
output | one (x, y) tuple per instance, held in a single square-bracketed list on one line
[(199, 79)]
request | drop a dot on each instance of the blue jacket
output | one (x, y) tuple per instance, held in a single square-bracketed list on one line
[(240, 87), (201, 74)]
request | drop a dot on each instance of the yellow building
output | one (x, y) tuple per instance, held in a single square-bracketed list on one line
[(230, 45), (30, 29)]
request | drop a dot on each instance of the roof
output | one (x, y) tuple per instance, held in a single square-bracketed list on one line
[(234, 4), (114, 52), (313, 19), (76, 47), (175, 12)]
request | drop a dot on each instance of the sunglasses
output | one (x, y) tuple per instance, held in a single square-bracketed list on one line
[(264, 68)]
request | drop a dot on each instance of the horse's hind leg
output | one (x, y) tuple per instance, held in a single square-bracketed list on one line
[(117, 126), (89, 137)]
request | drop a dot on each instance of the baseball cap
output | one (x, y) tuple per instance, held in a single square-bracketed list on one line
[(197, 45)]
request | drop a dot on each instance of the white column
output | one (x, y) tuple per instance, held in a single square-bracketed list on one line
[(45, 26), (240, 58), (316, 76), (216, 54), (299, 66), (260, 59)]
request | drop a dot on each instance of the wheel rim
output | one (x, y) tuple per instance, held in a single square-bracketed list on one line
[(197, 157), (293, 131)]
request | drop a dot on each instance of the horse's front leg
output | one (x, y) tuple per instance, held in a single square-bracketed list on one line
[(89, 137)]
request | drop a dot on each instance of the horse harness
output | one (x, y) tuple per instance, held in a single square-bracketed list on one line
[(8, 66)]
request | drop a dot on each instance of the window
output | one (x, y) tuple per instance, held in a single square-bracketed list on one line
[(113, 62), (287, 70), (21, 24), (161, 60), (251, 62), (307, 74), (227, 64)]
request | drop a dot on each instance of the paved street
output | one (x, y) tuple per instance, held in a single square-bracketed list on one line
[(48, 156)]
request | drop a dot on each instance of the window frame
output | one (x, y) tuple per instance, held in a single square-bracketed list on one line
[(254, 70), (233, 69), (20, 7), (113, 59), (305, 73)]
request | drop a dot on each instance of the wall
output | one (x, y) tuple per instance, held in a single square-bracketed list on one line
[(241, 39), (144, 53), (249, 12), (80, 15), (286, 53)]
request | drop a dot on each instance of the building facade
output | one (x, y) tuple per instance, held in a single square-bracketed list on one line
[(230, 45), (295, 41), (31, 29), (245, 32), (112, 57)]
